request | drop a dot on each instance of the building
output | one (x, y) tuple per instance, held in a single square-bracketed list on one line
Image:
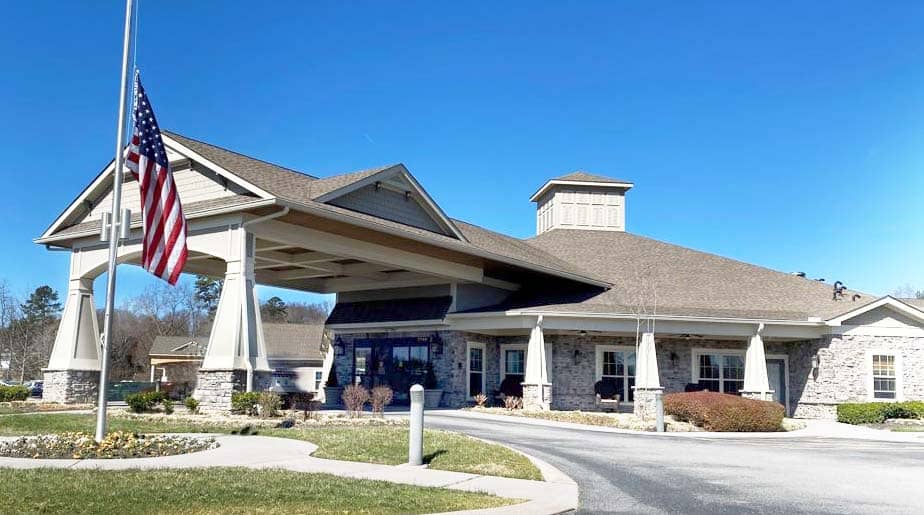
[(295, 353), (584, 300)]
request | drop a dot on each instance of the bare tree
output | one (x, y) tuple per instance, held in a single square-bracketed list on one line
[(305, 313), (907, 291)]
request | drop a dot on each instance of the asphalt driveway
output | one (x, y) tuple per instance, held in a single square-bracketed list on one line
[(648, 474)]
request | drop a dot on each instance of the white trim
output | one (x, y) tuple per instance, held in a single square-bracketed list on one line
[(887, 301), (429, 205), (504, 347), (865, 330), (554, 182), (696, 352), (598, 368), (868, 365), (468, 364)]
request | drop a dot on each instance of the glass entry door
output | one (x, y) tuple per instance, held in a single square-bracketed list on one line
[(397, 362), (776, 374)]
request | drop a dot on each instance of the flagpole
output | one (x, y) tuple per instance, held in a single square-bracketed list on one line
[(113, 231)]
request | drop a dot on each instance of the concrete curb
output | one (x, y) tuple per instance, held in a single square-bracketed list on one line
[(813, 429), (264, 452)]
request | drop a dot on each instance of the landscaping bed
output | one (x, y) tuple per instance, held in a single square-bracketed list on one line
[(116, 445), (366, 439), (616, 420), (221, 491), (7, 408), (893, 416)]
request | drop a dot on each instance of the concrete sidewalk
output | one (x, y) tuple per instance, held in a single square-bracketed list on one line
[(556, 494), (812, 429)]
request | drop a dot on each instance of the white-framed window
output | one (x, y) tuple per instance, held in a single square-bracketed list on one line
[(513, 362), (718, 370), (318, 375), (474, 368), (884, 381), (617, 363)]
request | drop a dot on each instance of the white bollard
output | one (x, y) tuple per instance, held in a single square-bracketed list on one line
[(415, 442)]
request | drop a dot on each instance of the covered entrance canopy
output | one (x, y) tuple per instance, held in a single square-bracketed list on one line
[(252, 222)]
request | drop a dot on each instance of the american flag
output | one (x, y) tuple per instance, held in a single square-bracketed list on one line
[(164, 249)]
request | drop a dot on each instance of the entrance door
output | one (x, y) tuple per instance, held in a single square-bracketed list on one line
[(395, 362), (776, 373)]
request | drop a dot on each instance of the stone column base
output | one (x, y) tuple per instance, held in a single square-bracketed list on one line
[(759, 396), (645, 402), (214, 389), (71, 386), (537, 397)]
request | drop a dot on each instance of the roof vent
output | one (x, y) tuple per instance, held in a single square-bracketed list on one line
[(799, 274)]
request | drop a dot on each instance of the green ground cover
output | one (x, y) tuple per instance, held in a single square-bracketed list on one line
[(220, 491)]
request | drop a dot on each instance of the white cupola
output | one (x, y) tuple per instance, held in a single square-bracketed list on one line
[(581, 200)]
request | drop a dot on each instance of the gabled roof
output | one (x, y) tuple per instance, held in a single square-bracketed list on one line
[(899, 305), (582, 178), (300, 342)]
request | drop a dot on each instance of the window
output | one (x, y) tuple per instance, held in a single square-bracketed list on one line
[(618, 364), (475, 369), (884, 376), (719, 371), (318, 374), (513, 362)]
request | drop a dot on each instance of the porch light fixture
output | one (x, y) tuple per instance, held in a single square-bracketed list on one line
[(815, 366), (339, 347), (436, 344)]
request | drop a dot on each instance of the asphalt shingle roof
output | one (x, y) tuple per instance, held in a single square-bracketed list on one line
[(283, 342), (397, 310), (582, 176)]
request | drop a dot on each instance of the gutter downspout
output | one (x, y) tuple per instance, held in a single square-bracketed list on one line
[(283, 212)]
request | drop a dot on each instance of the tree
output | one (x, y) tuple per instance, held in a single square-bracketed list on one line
[(42, 305), (908, 292), (305, 313), (208, 291), (274, 310)]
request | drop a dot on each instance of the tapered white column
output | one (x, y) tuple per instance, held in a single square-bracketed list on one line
[(756, 383), (646, 363), (236, 351), (647, 378), (537, 390), (72, 374)]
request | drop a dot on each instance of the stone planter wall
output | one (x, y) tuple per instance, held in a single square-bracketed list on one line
[(215, 387), (71, 386)]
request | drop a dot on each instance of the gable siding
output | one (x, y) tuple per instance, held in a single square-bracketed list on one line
[(883, 317), (194, 185), (390, 205)]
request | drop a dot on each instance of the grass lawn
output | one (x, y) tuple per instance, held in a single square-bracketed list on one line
[(908, 429), (220, 490), (371, 444)]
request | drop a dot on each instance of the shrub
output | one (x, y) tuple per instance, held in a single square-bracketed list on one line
[(144, 402), (723, 412), (268, 404), (192, 405), (168, 406), (381, 397), (480, 400), (13, 393), (305, 402), (878, 412), (512, 402), (244, 403), (355, 397)]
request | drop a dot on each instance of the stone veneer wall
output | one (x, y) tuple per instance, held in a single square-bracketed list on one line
[(842, 373), (71, 386), (844, 369)]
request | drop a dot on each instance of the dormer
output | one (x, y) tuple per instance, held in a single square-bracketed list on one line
[(581, 200)]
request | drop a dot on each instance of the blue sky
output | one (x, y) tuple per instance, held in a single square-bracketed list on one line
[(784, 134)]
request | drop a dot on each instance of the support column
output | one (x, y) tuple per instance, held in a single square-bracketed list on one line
[(647, 378), (72, 375), (537, 390), (756, 383), (236, 356)]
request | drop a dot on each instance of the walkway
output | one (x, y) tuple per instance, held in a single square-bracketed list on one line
[(557, 494), (800, 472)]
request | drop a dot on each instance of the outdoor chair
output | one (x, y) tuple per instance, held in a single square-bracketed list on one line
[(607, 395)]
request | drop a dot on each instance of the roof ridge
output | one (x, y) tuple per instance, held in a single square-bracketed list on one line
[(224, 149)]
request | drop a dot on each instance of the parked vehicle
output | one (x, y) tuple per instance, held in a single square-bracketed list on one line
[(37, 388)]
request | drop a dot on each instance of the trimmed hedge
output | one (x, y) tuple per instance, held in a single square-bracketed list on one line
[(725, 413), (877, 412), (13, 393), (245, 402)]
